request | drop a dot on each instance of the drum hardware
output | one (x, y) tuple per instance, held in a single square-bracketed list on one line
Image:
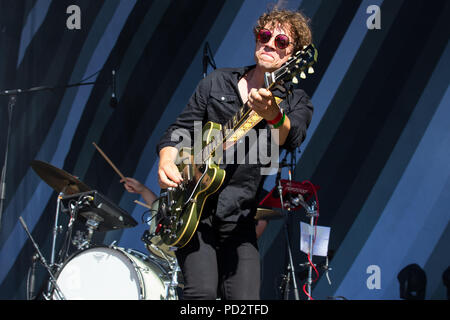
[(31, 277), (80, 240), (99, 213), (58, 291), (63, 183), (113, 244)]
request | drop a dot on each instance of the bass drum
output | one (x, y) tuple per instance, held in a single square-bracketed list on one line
[(112, 273)]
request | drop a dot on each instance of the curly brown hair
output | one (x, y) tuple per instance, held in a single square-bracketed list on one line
[(297, 23)]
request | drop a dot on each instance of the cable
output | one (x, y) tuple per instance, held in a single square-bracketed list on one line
[(85, 79), (304, 290), (149, 219), (318, 209)]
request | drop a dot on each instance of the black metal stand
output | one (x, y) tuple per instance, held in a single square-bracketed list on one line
[(11, 104), (58, 291), (290, 269)]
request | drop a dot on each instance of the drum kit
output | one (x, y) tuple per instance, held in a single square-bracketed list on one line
[(99, 272)]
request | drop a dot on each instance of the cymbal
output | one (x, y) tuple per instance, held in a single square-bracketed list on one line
[(58, 179), (268, 214)]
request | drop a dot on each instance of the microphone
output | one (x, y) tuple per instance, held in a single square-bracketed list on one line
[(31, 294), (205, 59), (113, 101), (280, 168)]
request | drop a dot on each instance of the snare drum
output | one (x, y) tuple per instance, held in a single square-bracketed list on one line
[(112, 273)]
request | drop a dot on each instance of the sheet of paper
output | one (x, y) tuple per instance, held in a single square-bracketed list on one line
[(321, 243)]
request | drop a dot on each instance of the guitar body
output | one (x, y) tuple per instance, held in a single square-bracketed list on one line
[(186, 203)]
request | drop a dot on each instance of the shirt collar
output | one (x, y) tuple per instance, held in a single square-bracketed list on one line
[(279, 91)]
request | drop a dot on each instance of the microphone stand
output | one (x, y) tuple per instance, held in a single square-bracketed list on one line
[(44, 262), (290, 267), (311, 212), (11, 104), (207, 59)]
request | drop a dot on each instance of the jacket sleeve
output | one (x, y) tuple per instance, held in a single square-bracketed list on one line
[(299, 109)]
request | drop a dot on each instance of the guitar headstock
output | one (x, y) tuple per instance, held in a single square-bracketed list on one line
[(302, 61)]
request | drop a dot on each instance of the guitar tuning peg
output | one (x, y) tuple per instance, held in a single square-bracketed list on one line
[(310, 70), (295, 80), (303, 75)]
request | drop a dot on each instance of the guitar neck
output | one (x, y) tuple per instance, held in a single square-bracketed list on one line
[(236, 127), (242, 115)]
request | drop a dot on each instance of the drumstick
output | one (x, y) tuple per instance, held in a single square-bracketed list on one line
[(109, 161), (142, 204)]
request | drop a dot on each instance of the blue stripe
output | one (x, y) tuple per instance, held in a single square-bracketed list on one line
[(414, 207), (61, 133), (34, 21)]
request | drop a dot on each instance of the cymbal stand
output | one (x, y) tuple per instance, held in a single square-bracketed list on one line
[(11, 104), (172, 285), (58, 291), (56, 229)]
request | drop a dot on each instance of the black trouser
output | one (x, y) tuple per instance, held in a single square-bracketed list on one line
[(220, 263)]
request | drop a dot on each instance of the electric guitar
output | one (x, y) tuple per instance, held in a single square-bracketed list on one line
[(179, 209)]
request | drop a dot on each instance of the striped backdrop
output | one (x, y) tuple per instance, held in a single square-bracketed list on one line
[(378, 145)]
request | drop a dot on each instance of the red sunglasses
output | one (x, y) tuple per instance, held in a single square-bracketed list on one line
[(281, 40)]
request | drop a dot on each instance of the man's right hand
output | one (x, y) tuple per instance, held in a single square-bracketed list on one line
[(168, 174)]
